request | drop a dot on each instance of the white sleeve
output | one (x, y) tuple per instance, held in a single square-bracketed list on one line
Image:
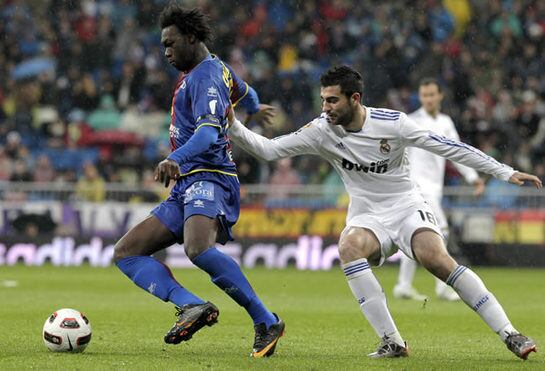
[(416, 136), (469, 174), (302, 141)]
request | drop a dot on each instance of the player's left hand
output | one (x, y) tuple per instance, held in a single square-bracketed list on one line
[(264, 116), (519, 178), (167, 170), (479, 187)]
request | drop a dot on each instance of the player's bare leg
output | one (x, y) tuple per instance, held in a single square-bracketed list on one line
[(146, 238), (358, 247), (404, 288), (430, 251), (200, 233)]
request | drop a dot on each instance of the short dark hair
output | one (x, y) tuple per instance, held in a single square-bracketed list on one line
[(346, 77), (430, 81), (188, 21)]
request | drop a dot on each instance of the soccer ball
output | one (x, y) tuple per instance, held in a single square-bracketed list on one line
[(67, 330)]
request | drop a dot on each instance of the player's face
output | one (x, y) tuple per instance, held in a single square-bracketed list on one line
[(338, 107), (179, 51), (430, 98)]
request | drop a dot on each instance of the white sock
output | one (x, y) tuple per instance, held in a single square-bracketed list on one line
[(475, 294), (370, 296), (407, 269)]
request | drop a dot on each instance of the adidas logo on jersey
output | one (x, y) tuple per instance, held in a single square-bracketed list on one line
[(340, 145), (378, 167)]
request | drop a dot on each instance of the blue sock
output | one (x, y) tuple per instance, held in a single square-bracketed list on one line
[(156, 278), (226, 274)]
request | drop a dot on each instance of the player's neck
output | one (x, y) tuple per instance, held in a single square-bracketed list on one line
[(200, 55), (433, 113), (357, 122)]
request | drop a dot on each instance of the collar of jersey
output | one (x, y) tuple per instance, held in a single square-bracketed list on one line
[(209, 57), (364, 121)]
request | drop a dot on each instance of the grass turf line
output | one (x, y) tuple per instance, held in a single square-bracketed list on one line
[(324, 327)]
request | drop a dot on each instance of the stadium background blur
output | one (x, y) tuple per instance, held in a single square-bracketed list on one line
[(85, 91)]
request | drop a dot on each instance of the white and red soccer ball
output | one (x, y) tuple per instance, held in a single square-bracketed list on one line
[(67, 330)]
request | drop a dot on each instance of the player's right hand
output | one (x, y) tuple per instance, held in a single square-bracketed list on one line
[(167, 170), (519, 178), (264, 116)]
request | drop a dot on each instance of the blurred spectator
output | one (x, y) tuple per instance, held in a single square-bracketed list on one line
[(527, 120), (282, 178), (152, 191), (20, 172), (5, 165), (43, 171), (106, 116), (13, 144), (101, 66), (90, 186)]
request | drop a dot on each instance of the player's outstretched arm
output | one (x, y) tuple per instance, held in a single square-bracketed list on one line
[(416, 136), (303, 141), (519, 178)]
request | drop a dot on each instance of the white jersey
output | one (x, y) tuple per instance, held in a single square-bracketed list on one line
[(372, 162), (427, 169)]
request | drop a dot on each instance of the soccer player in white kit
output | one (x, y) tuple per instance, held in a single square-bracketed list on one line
[(366, 146), (427, 171)]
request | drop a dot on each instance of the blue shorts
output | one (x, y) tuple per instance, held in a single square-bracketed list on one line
[(214, 195)]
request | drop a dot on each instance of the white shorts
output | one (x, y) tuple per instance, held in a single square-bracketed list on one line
[(394, 229), (435, 203)]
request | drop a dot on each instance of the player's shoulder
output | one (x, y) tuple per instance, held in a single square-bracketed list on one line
[(311, 128), (385, 115), (445, 118), (418, 114), (316, 124)]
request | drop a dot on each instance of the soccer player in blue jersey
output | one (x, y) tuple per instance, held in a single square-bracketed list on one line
[(204, 202)]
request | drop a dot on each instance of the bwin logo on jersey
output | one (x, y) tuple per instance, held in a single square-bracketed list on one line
[(378, 167)]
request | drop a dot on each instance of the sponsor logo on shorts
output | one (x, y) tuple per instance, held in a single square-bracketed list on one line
[(202, 190)]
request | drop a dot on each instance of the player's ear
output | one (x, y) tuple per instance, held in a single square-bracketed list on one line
[(356, 98), (191, 38)]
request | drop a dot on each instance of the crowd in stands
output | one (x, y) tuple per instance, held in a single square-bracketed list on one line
[(85, 91)]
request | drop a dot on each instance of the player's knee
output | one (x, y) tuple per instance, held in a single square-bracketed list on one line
[(120, 251), (194, 249), (125, 248), (440, 264), (353, 247)]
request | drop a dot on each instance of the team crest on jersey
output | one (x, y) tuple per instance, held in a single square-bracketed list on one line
[(384, 146)]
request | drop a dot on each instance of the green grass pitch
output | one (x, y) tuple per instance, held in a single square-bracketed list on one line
[(325, 329)]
